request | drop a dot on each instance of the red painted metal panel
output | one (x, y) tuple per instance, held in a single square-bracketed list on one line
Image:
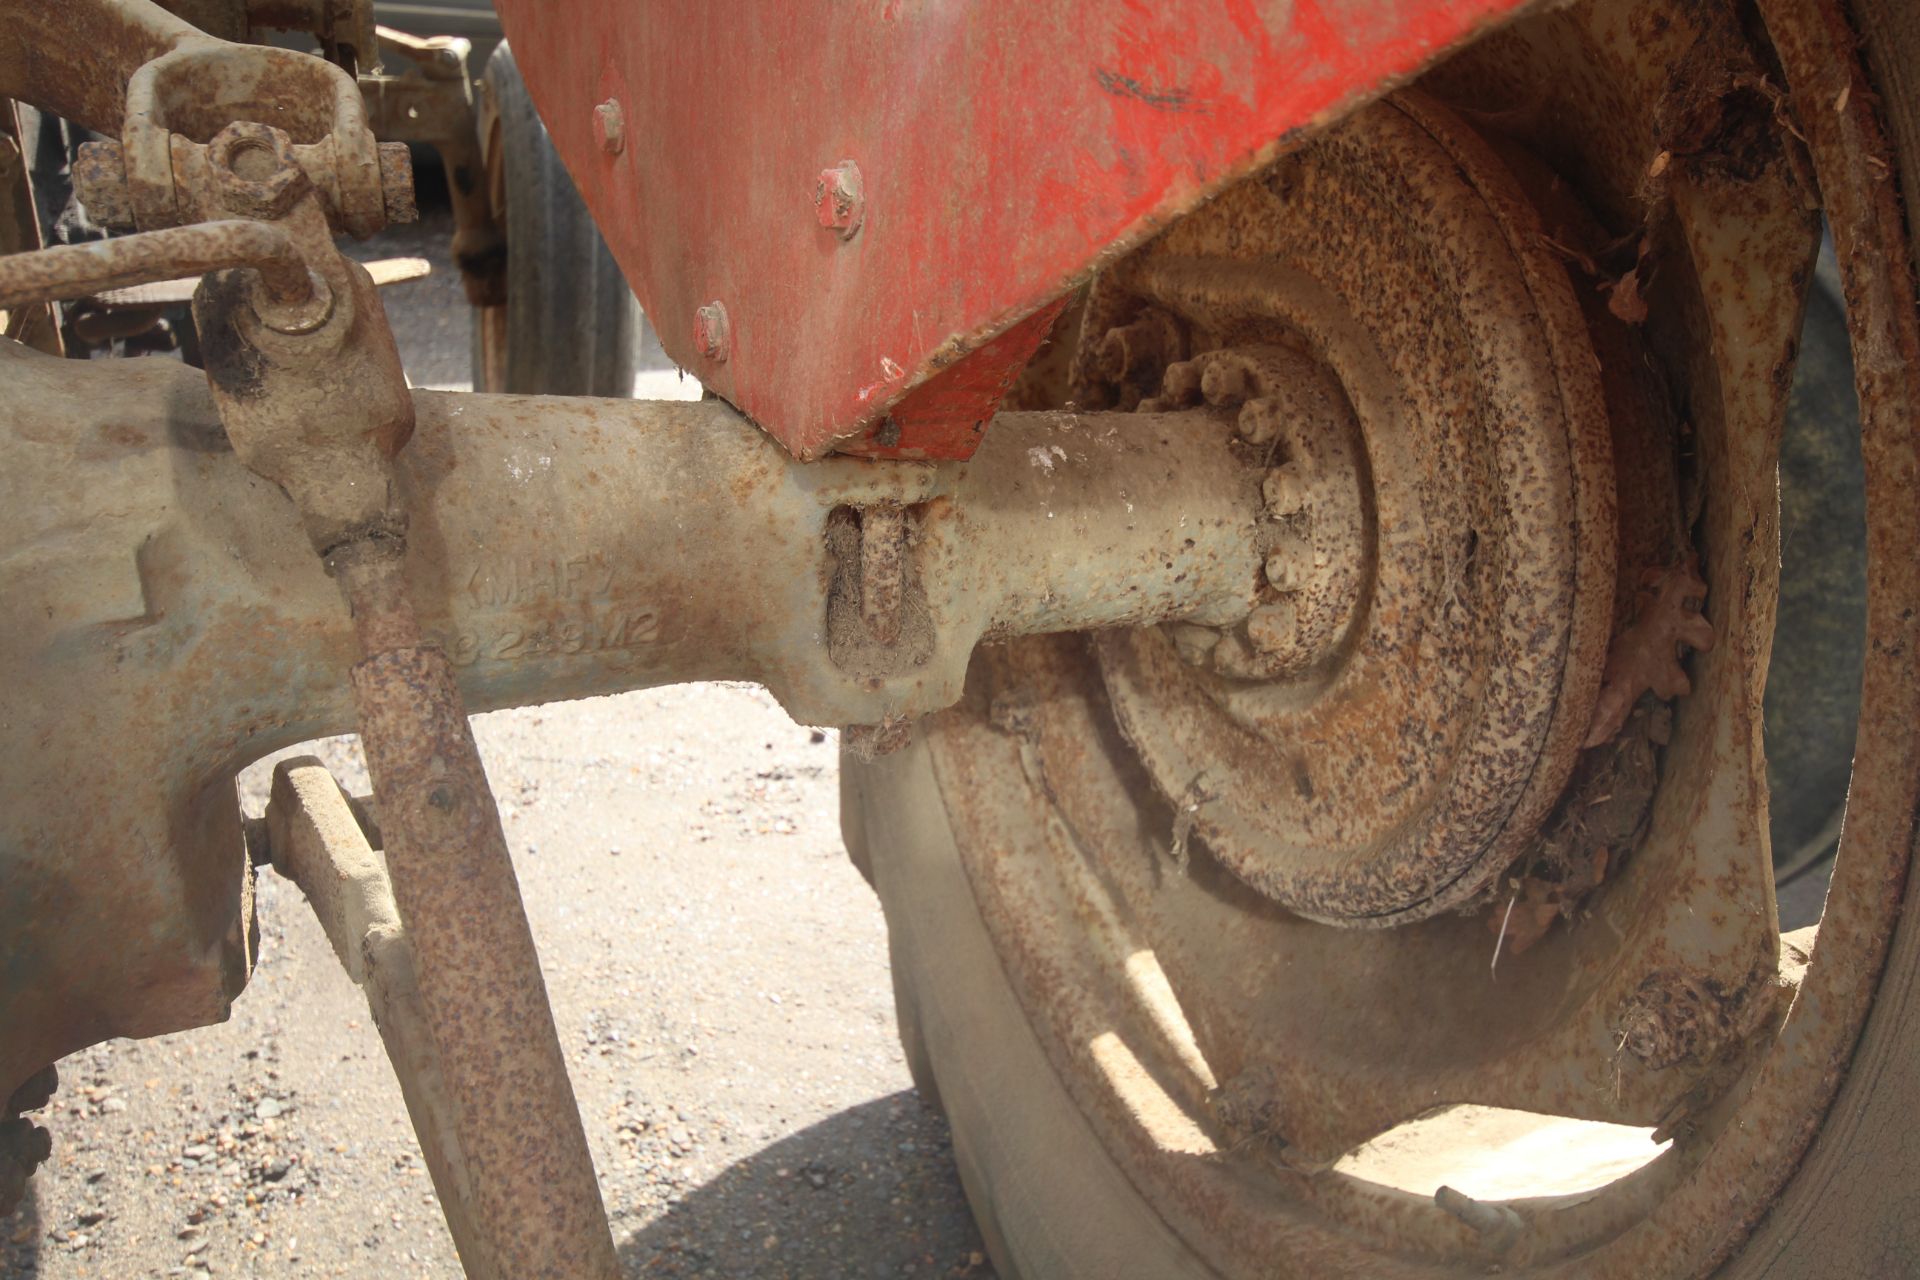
[(1002, 146)]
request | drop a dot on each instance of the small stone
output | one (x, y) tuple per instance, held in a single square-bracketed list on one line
[(112, 1106), (198, 1151), (90, 1215), (269, 1108)]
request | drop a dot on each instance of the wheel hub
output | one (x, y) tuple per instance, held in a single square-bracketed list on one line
[(1389, 727)]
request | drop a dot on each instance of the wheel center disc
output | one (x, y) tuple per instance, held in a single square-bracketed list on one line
[(1388, 729)]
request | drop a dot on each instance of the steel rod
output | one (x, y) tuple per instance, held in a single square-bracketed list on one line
[(80, 270), (475, 963)]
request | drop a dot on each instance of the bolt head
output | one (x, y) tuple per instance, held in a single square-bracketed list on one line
[(1274, 628), (1283, 571), (1180, 382), (1111, 357), (1224, 383), (1194, 643), (712, 332), (839, 199), (1259, 421), (100, 181), (1284, 493), (611, 126), (253, 166)]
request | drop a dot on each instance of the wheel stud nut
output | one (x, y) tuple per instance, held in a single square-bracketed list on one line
[(1274, 627), (1181, 382), (1283, 571), (1194, 643), (1285, 495), (1259, 421), (1224, 384)]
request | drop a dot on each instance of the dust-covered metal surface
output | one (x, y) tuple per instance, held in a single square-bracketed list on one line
[(1226, 1051), (532, 1203), (555, 552), (1392, 723), (1001, 150)]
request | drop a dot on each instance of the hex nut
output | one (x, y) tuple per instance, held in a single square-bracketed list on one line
[(1181, 382), (1193, 643), (1283, 571), (396, 183), (1284, 493), (1225, 383), (1259, 421), (254, 169), (1274, 628), (100, 182)]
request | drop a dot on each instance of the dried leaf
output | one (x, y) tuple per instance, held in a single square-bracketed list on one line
[(1646, 656)]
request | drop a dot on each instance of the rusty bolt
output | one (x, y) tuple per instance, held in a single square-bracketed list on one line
[(1674, 1016), (1141, 349), (1285, 495), (1180, 383), (1283, 571), (1193, 643), (611, 124), (712, 332), (1224, 383), (1259, 421), (1274, 628), (396, 183), (840, 199), (100, 181), (255, 170)]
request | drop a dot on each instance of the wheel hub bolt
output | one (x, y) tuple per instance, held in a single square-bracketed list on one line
[(1181, 382), (1274, 628), (1285, 495), (1283, 572), (1259, 421), (1193, 643), (1224, 383)]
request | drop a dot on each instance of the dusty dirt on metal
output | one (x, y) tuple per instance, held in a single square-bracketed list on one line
[(1462, 508), (1679, 951)]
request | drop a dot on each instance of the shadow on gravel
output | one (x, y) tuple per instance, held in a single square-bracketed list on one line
[(22, 1236), (869, 1193)]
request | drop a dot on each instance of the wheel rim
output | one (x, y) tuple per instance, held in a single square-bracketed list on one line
[(1134, 969)]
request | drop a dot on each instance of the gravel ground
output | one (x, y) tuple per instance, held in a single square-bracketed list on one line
[(718, 972)]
